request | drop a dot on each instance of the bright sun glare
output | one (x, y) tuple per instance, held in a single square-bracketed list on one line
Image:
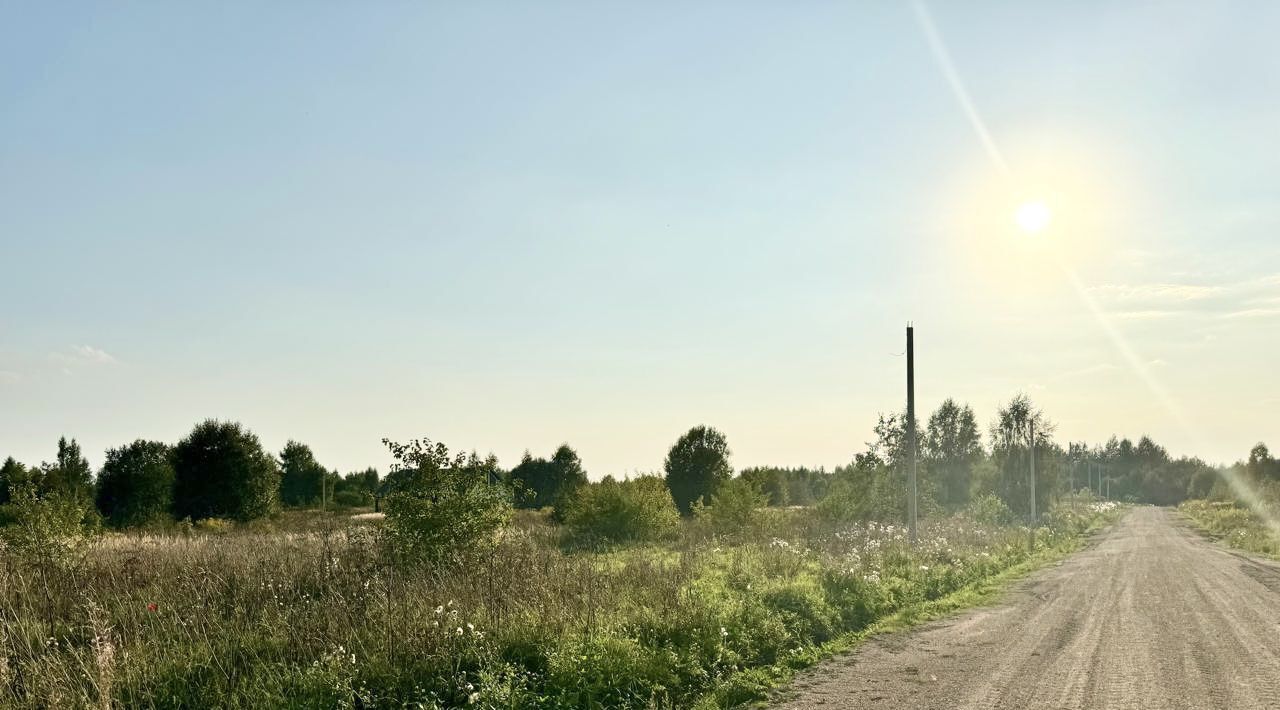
[(1032, 217)]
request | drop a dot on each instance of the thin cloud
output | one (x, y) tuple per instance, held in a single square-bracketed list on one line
[(79, 355), (1156, 293), (8, 377), (1252, 313)]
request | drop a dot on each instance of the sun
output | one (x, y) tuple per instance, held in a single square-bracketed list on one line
[(1033, 217)]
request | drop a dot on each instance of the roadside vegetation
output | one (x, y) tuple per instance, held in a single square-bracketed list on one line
[(212, 573), (1251, 524)]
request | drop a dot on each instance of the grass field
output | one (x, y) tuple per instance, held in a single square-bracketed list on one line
[(308, 613)]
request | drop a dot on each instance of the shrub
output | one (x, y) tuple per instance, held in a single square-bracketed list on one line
[(734, 507), (989, 509), (441, 507), (352, 499), (135, 486), (220, 470), (47, 531), (623, 511)]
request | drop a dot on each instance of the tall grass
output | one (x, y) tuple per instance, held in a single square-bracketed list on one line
[(1234, 524), (318, 617)]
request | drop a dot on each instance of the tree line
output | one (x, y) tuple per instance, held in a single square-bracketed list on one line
[(221, 470)]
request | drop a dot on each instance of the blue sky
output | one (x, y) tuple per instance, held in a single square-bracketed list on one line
[(508, 225)]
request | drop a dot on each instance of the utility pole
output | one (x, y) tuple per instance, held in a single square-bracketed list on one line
[(911, 433), (1032, 458)]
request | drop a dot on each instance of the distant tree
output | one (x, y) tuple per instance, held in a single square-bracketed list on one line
[(221, 471), (532, 480), (951, 447), (135, 486), (567, 469), (696, 465), (772, 482), (70, 475), (301, 476), (1261, 465), (357, 488), (540, 482), (12, 476), (1010, 438)]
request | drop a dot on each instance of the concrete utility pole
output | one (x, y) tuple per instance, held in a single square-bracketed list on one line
[(911, 433), (1032, 458)]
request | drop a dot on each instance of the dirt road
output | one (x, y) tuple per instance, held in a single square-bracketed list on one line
[(1150, 616)]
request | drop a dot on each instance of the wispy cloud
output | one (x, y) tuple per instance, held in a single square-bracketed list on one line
[(1252, 313), (81, 355), (8, 377), (1227, 299), (1156, 292)]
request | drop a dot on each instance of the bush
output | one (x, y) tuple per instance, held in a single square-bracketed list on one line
[(135, 486), (442, 507), (46, 531), (352, 499), (221, 471), (734, 508), (623, 511), (988, 509)]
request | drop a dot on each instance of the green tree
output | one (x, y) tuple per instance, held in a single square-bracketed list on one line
[(12, 476), (696, 465), (301, 476), (442, 507), (540, 482), (772, 482), (357, 488), (734, 507), (951, 447), (135, 486), (71, 475), (221, 471), (1010, 436)]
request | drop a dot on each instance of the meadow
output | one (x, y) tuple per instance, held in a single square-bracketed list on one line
[(307, 610)]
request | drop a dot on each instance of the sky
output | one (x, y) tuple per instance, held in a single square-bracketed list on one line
[(505, 226)]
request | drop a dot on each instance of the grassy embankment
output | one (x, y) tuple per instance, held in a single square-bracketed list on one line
[(319, 618), (1233, 524)]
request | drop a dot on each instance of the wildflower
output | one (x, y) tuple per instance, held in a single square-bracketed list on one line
[(439, 610), (459, 631), (723, 633), (153, 607)]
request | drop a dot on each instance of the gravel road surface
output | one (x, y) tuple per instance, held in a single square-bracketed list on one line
[(1149, 616)]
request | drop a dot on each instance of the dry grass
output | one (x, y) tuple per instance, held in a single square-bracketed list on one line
[(317, 617)]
